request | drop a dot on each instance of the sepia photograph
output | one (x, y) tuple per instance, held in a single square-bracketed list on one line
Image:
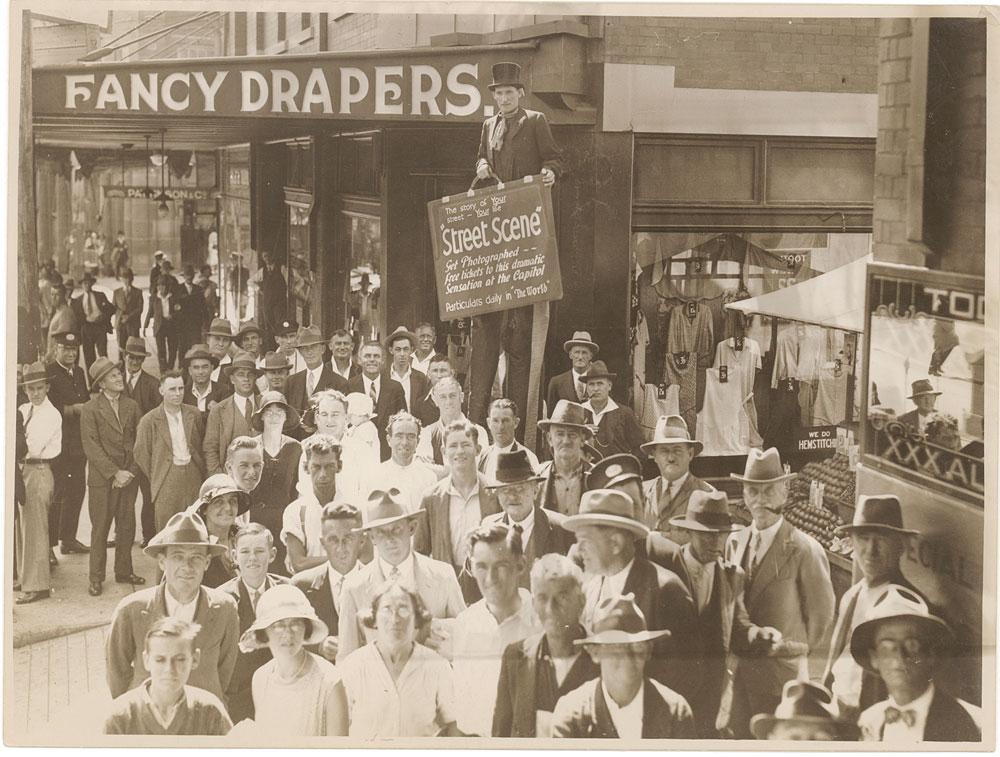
[(388, 372)]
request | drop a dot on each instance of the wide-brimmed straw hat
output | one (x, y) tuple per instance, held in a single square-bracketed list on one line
[(383, 508), (672, 429), (921, 387), (802, 702), (513, 468), (101, 368), (618, 620), (242, 360), (184, 529), (581, 339), (879, 512), (217, 486), (34, 373), (606, 507), (707, 511), (893, 603), (569, 414), (401, 332), (283, 602), (136, 345), (269, 399), (763, 468), (614, 469)]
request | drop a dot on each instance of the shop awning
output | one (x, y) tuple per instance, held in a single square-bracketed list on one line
[(835, 299)]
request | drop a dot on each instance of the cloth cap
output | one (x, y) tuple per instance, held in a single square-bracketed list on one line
[(67, 339)]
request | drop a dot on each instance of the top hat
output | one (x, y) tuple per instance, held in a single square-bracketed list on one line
[(895, 602), (220, 327), (359, 403), (215, 486), (506, 74), (581, 339), (100, 368), (618, 620), (707, 511), (189, 270), (267, 399), (801, 702), (922, 386), (247, 327), (401, 332), (597, 370), (184, 529), (571, 414), (877, 511), (383, 508), (283, 602), (34, 374), (763, 468), (614, 469), (285, 328), (242, 360), (672, 429), (136, 345), (513, 468), (276, 361), (606, 507), (200, 351), (309, 335), (67, 339)]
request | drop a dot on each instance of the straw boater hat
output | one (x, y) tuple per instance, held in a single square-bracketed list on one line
[(879, 512), (401, 332), (200, 351), (614, 469), (269, 399), (801, 702), (921, 387), (606, 507), (506, 74), (671, 429), (220, 327), (34, 374), (359, 403), (283, 602), (513, 468), (618, 620), (101, 368), (598, 370), (383, 508), (708, 512), (569, 414), (216, 486), (581, 339), (247, 327), (276, 361), (184, 529), (763, 468), (136, 345), (242, 360), (308, 336), (896, 602)]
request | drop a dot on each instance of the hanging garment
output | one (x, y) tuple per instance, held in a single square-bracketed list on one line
[(695, 335), (686, 381), (639, 349), (748, 362), (830, 406), (722, 424), (800, 351), (785, 419), (653, 406)]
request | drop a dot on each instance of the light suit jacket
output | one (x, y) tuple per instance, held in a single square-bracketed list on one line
[(154, 450), (224, 424)]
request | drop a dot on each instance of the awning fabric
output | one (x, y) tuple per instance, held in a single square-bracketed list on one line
[(835, 299)]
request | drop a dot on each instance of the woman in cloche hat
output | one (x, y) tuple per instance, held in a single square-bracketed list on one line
[(219, 502)]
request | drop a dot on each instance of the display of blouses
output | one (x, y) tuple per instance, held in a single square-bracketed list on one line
[(742, 366), (723, 425)]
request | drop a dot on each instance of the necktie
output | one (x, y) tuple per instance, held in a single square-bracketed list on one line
[(371, 393), (394, 574), (249, 409), (754, 556), (114, 407), (336, 594), (310, 383), (581, 390), (894, 715), (519, 530), (254, 596)]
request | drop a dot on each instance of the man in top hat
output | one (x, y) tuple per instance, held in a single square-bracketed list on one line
[(286, 336), (200, 391), (108, 424), (390, 526), (564, 476), (617, 429), (447, 396), (387, 395), (904, 644), (570, 385), (168, 450), (924, 396), (624, 702), (804, 714), (503, 420), (787, 586), (623, 473), (231, 417), (424, 350), (43, 436), (667, 495), (93, 313), (607, 534), (68, 393), (219, 339), (399, 344), (182, 551), (128, 304), (514, 143), (190, 318), (316, 376), (879, 540)]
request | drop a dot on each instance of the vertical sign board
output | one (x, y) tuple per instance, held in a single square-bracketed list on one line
[(494, 249)]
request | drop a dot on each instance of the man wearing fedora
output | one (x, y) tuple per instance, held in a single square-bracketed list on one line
[(276, 368), (93, 313), (387, 395), (502, 421), (564, 476), (249, 338), (667, 495), (904, 644), (108, 424), (231, 417), (924, 396), (390, 525), (623, 702), (804, 714), (879, 540), (182, 551), (128, 304), (219, 339), (787, 586), (617, 429), (570, 385), (199, 390), (168, 451), (316, 376), (399, 344), (145, 390), (514, 143), (189, 319)]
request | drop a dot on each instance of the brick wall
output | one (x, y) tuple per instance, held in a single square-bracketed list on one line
[(813, 55), (355, 31)]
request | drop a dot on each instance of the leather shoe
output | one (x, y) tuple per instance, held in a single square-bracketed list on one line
[(95, 589), (132, 579), (53, 560), (32, 596), (74, 547), (17, 586)]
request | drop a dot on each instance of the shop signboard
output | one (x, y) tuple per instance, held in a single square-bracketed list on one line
[(174, 193), (816, 443), (494, 249)]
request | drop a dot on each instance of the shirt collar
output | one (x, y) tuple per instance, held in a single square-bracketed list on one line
[(770, 531), (636, 702), (316, 372), (173, 604), (262, 588), (401, 376), (920, 706), (336, 576), (405, 568), (375, 381), (110, 398), (676, 484), (527, 524), (208, 390), (512, 447), (164, 721)]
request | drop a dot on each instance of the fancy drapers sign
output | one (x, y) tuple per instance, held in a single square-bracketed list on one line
[(432, 85), (494, 249)]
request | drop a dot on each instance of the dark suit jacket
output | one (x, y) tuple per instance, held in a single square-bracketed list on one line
[(154, 448), (420, 386), (155, 313), (315, 584), (128, 305), (424, 409), (561, 387), (619, 432), (390, 401), (547, 536), (660, 508), (583, 713), (520, 691), (66, 390), (108, 441), (528, 146), (191, 316), (146, 392), (433, 536), (106, 308), (295, 387), (911, 420)]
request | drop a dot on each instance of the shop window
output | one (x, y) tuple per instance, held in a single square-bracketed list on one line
[(300, 263), (808, 173), (360, 240), (357, 166)]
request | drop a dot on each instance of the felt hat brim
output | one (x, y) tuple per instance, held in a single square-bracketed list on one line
[(291, 417), (673, 440), (693, 525), (230, 367), (546, 425), (497, 484), (573, 522), (213, 549), (96, 380), (850, 527), (746, 480), (571, 343), (383, 522), (622, 637)]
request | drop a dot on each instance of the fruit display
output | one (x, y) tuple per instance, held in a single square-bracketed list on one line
[(835, 473), (838, 482), (818, 522)]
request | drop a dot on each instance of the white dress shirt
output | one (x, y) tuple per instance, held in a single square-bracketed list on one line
[(673, 486), (899, 733), (614, 586), (163, 719), (612, 405), (422, 365), (702, 577), (766, 540), (164, 306), (131, 379), (241, 404), (176, 610), (527, 526), (312, 379), (406, 570), (178, 440), (464, 515), (337, 584), (346, 373), (576, 384), (217, 371), (403, 381), (202, 399), (627, 719), (42, 430), (412, 480)]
